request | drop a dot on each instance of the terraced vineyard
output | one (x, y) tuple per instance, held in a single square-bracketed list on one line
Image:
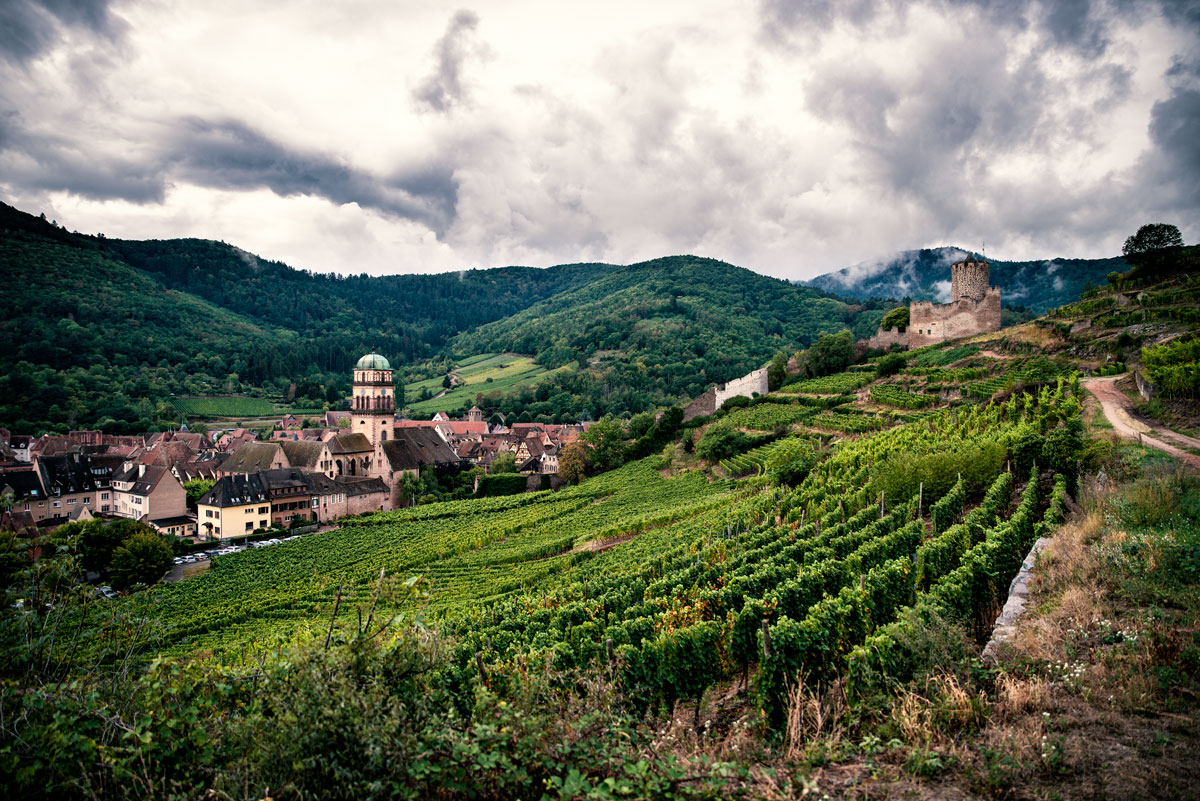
[(673, 577), (836, 384), (488, 372), (824, 563)]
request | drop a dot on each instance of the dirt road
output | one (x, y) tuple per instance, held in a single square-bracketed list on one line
[(1116, 408)]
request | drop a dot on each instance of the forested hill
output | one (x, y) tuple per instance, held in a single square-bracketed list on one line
[(101, 332), (408, 317), (666, 329), (925, 275)]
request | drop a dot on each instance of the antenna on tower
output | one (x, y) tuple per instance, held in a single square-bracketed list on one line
[(983, 252)]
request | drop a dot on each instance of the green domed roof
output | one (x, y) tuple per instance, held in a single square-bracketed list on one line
[(373, 361)]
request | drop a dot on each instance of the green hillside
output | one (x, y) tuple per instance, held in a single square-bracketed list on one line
[(90, 341), (196, 317), (841, 548), (486, 373), (659, 332), (407, 317)]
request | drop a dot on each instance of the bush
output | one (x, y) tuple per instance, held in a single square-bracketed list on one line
[(891, 364), (502, 484), (720, 443), (791, 462)]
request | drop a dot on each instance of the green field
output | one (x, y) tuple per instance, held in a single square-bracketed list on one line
[(486, 373)]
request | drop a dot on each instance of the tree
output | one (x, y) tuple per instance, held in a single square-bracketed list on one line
[(100, 539), (832, 354), (1152, 237), (720, 443), (606, 438), (573, 462), (196, 489), (896, 318), (777, 371), (141, 559), (505, 462)]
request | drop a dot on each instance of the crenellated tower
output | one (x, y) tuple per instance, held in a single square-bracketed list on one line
[(969, 280)]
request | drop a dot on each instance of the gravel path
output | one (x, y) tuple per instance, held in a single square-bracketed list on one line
[(1116, 408)]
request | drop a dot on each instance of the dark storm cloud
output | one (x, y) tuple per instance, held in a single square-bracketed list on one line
[(54, 162), (1175, 128), (1079, 24), (223, 154), (29, 27), (443, 88), (230, 155)]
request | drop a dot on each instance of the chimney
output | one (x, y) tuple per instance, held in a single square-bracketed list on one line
[(141, 470)]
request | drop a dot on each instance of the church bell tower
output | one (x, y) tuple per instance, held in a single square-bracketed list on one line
[(373, 405)]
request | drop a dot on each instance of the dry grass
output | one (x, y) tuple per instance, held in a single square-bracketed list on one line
[(813, 715)]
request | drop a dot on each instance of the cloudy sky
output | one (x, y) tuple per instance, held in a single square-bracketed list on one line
[(791, 137)]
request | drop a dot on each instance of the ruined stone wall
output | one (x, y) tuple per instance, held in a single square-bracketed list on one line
[(885, 339), (930, 323), (748, 385), (751, 384), (969, 281), (704, 405)]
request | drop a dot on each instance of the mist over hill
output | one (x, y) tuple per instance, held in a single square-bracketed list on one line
[(924, 274)]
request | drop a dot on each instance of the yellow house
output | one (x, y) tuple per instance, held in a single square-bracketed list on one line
[(234, 507)]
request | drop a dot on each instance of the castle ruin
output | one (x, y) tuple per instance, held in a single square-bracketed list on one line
[(974, 308), (750, 385)]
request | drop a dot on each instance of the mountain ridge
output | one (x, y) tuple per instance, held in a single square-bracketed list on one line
[(924, 274)]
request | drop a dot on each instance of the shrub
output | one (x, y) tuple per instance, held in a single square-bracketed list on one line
[(720, 443), (891, 364), (791, 461)]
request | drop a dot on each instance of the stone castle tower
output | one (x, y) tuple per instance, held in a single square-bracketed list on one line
[(373, 404), (969, 280), (974, 308)]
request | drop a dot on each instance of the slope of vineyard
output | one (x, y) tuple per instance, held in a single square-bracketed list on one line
[(679, 575)]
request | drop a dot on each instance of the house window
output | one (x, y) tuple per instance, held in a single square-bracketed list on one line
[(250, 526), (87, 501), (70, 502), (57, 504), (104, 496), (104, 508), (26, 507), (262, 510), (262, 524)]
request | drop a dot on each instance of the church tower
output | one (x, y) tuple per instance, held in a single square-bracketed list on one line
[(373, 405)]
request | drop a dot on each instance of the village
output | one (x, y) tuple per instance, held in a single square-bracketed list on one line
[(357, 462), (362, 460)]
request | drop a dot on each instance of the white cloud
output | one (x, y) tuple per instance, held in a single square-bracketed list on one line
[(302, 130)]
